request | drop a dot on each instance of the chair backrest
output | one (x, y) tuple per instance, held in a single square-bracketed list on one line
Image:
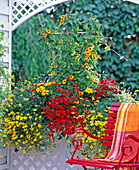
[(110, 126)]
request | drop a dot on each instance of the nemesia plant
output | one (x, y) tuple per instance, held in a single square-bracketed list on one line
[(71, 95)]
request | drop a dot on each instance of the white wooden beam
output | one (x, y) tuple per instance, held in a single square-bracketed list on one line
[(134, 1), (4, 9), (23, 17)]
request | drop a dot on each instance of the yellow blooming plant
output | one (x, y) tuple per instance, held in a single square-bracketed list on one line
[(25, 123)]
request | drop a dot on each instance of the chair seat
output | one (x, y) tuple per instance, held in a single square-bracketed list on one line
[(100, 163)]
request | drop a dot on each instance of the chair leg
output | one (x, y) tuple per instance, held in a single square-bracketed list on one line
[(84, 167)]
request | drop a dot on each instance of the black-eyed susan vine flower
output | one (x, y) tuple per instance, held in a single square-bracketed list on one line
[(52, 73), (44, 35), (48, 31), (55, 66)]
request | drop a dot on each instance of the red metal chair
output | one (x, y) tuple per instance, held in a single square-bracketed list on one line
[(126, 141)]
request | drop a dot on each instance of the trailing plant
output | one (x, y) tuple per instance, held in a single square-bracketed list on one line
[(4, 76), (70, 95)]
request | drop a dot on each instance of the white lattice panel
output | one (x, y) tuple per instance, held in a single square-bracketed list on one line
[(54, 161), (24, 9)]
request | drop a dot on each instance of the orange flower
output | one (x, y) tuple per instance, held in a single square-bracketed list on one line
[(60, 41), (87, 58), (38, 31), (71, 77), (86, 50), (44, 35), (56, 31), (55, 66), (61, 22), (94, 55), (52, 73), (62, 19), (80, 93)]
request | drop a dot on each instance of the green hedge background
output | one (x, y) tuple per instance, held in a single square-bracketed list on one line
[(120, 24)]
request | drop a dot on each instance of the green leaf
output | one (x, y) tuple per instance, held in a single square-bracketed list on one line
[(97, 46)]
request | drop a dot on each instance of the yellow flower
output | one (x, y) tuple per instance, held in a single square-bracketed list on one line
[(52, 73), (12, 83), (12, 76), (26, 99), (39, 125), (89, 90), (93, 98), (44, 92), (48, 31), (44, 35), (99, 57), (90, 48), (24, 151), (99, 150), (64, 81), (20, 104), (21, 89), (55, 66), (21, 136)]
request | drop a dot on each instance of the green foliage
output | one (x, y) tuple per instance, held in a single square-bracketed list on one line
[(120, 22), (4, 76), (29, 57)]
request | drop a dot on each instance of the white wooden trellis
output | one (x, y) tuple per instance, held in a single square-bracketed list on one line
[(12, 14)]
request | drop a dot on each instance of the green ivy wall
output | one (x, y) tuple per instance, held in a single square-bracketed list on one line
[(120, 24)]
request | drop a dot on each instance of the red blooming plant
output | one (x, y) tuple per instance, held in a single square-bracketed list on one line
[(63, 111), (106, 88)]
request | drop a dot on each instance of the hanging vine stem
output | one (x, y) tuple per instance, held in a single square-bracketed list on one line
[(50, 51), (42, 25), (115, 52)]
